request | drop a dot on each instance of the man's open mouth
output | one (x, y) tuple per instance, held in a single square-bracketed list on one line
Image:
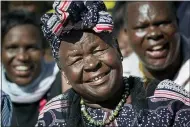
[(158, 51)]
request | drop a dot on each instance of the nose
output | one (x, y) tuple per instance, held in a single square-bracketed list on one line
[(22, 55), (91, 63), (154, 33)]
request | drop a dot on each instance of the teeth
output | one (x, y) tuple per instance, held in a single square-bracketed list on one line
[(157, 47), (22, 68), (97, 78)]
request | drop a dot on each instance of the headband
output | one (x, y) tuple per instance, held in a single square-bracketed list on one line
[(74, 15)]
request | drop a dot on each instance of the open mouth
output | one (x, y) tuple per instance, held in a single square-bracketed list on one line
[(23, 70), (98, 77), (158, 51)]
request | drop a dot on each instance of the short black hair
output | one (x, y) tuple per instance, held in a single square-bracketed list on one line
[(172, 5), (19, 17)]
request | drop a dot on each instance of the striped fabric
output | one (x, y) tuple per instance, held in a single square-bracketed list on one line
[(74, 15), (6, 110), (169, 89)]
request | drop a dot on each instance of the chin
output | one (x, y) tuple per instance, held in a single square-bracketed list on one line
[(23, 82)]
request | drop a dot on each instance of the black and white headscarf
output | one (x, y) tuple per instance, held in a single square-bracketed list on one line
[(74, 15)]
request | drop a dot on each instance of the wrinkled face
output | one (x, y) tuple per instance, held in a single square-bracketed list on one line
[(153, 33), (92, 66), (22, 54)]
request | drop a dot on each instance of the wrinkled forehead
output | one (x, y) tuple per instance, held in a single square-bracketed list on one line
[(82, 37), (149, 9)]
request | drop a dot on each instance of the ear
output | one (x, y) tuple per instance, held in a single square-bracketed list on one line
[(64, 78)]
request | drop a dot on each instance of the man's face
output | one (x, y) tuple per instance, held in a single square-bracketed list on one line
[(92, 66), (153, 33)]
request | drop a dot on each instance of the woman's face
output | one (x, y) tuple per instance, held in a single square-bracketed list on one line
[(92, 66), (22, 53)]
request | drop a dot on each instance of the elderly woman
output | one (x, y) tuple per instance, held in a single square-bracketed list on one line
[(88, 56), (26, 77)]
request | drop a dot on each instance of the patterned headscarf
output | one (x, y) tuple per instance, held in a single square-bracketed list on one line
[(74, 15)]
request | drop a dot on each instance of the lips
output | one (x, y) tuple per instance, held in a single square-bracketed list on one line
[(158, 51), (98, 79), (22, 70)]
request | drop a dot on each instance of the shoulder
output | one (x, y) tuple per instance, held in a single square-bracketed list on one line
[(57, 110), (58, 102), (169, 89), (137, 83)]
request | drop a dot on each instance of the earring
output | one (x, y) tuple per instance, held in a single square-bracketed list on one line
[(65, 78), (121, 57)]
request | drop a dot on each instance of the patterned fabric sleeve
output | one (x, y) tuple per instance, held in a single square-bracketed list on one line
[(171, 90), (54, 113), (176, 102), (6, 109)]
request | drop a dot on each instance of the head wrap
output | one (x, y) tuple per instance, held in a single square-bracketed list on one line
[(74, 15)]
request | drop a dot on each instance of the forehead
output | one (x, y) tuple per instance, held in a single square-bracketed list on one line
[(153, 9), (78, 38), (26, 33)]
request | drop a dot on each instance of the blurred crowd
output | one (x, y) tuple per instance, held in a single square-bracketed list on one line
[(31, 77)]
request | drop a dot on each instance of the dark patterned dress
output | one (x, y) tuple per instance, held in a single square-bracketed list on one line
[(168, 106)]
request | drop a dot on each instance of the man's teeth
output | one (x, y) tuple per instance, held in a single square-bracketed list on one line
[(97, 78), (22, 68), (157, 47)]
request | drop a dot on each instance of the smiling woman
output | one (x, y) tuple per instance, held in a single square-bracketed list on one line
[(26, 78), (80, 34)]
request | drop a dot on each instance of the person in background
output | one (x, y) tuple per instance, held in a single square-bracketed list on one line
[(130, 59), (26, 77), (6, 109), (154, 35), (38, 8), (183, 15), (91, 62)]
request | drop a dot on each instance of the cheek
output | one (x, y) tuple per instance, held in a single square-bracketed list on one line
[(7, 59), (112, 59), (136, 39), (36, 56), (73, 73), (170, 31), (140, 34)]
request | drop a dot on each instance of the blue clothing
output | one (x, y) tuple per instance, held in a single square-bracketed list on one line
[(183, 14), (6, 109)]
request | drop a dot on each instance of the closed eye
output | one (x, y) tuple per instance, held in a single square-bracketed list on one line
[(141, 27), (74, 60), (99, 52), (162, 23), (33, 47)]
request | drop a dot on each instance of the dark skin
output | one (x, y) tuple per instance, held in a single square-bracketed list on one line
[(153, 33), (22, 53), (93, 68)]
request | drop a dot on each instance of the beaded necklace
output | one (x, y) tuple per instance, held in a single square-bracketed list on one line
[(113, 115)]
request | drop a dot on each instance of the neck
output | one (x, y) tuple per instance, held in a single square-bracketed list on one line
[(167, 73), (109, 104)]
